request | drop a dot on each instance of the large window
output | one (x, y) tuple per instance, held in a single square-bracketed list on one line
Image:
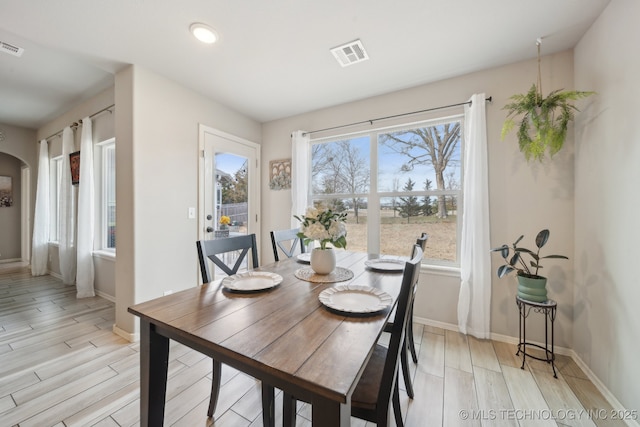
[(55, 181), (395, 183), (106, 201)]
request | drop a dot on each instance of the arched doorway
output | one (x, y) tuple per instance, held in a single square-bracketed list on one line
[(15, 209)]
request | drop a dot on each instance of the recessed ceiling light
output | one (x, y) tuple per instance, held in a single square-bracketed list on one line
[(204, 33)]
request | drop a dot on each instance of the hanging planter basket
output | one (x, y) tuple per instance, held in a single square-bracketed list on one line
[(542, 122)]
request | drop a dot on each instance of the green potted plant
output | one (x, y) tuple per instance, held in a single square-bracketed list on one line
[(542, 122), (531, 285)]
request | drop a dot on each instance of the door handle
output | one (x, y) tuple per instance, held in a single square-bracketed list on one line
[(209, 230)]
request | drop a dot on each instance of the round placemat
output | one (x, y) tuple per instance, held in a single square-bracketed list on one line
[(338, 275)]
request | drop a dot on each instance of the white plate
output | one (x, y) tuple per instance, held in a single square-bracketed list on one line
[(252, 281), (304, 257), (355, 299), (383, 264)]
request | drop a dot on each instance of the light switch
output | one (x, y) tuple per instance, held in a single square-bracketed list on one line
[(192, 213)]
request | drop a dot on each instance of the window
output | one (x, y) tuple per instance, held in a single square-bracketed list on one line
[(106, 197), (395, 183), (55, 181)]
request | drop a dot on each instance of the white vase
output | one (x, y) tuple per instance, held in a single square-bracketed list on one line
[(323, 261)]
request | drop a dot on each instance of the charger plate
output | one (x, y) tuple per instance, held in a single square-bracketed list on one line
[(251, 281), (338, 275), (356, 299), (384, 264)]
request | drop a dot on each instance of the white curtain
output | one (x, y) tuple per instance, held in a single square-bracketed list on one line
[(67, 209), (474, 303), (86, 215), (300, 155), (40, 240)]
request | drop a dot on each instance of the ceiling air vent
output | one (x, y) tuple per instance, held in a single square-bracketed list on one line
[(11, 49), (350, 53)]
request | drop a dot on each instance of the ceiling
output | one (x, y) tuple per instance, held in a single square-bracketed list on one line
[(272, 59)]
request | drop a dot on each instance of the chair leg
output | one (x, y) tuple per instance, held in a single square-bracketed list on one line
[(397, 411), (268, 406), (412, 345), (215, 387), (404, 361), (288, 411)]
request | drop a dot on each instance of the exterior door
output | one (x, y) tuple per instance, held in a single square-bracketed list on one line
[(229, 186)]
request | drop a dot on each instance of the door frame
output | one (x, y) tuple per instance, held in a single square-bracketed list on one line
[(25, 220), (254, 193)]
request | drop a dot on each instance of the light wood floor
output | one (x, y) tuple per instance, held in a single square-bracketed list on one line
[(60, 365)]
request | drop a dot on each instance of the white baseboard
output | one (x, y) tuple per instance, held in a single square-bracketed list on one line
[(105, 296), (8, 260), (126, 335), (54, 274), (613, 401)]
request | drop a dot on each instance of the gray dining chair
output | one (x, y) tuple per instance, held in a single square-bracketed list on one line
[(422, 241), (286, 241), (212, 250), (410, 344), (378, 385)]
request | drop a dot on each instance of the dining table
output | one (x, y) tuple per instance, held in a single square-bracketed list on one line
[(284, 335)]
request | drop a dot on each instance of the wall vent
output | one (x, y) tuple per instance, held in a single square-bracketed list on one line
[(350, 53), (11, 49)]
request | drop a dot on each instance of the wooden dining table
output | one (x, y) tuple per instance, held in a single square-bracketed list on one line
[(283, 336)]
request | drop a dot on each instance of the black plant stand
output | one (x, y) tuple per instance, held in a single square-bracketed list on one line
[(548, 308)]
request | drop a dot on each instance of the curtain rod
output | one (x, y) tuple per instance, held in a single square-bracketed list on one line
[(392, 117), (79, 122)]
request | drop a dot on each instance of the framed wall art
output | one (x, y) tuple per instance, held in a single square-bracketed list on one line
[(74, 160), (280, 174), (6, 192)]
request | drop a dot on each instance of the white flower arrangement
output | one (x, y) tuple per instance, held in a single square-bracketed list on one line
[(324, 226)]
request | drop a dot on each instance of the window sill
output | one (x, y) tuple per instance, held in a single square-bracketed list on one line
[(440, 270), (104, 254)]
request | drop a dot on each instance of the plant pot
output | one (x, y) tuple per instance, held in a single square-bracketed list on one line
[(323, 261), (532, 288)]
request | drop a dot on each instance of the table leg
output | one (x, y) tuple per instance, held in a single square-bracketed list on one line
[(329, 413), (154, 360)]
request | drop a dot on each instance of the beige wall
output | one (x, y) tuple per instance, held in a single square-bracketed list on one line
[(157, 181), (524, 198), (607, 318)]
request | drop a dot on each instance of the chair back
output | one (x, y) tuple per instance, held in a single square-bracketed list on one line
[(210, 249), (409, 283), (287, 241), (422, 241)]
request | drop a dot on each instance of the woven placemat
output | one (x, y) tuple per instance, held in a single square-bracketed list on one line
[(338, 275)]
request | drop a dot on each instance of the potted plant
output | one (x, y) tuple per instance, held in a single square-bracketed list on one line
[(325, 227), (531, 285), (542, 122), (224, 227)]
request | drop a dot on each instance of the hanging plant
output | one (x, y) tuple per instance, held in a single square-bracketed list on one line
[(543, 121)]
